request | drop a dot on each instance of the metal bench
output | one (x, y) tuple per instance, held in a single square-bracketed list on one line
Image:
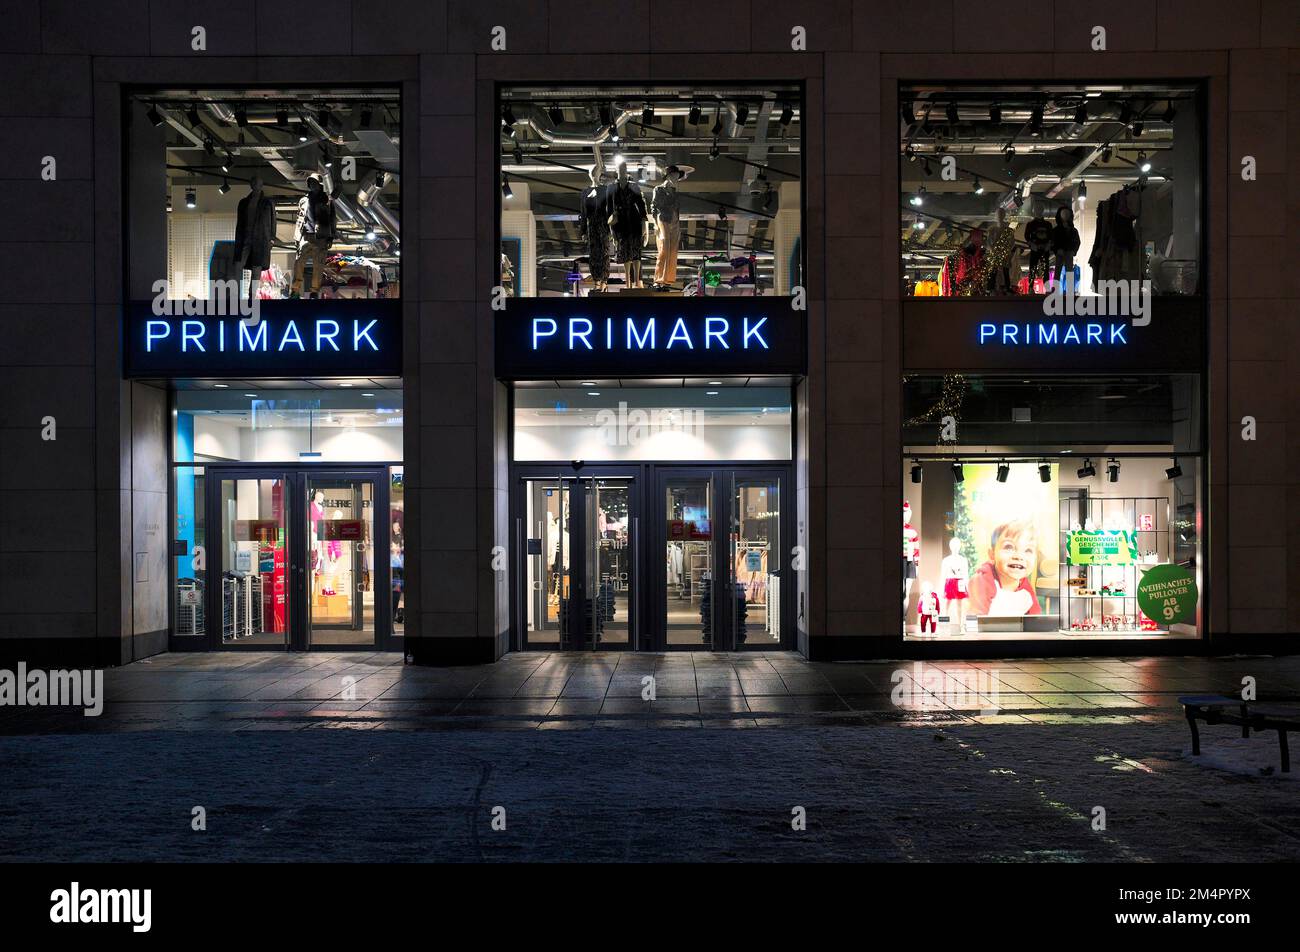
[(1217, 709)]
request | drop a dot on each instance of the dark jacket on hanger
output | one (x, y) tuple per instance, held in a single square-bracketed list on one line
[(255, 231)]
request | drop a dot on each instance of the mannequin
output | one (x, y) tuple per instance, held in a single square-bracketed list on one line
[(664, 203), (627, 221), (927, 610), (594, 222), (317, 513), (911, 553), (254, 234), (1038, 235), (1003, 257), (313, 233), (955, 570), (970, 264), (1065, 244)]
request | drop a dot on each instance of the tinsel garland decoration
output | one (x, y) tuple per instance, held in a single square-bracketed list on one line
[(949, 403)]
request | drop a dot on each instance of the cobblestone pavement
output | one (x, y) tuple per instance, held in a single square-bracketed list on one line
[(1002, 761)]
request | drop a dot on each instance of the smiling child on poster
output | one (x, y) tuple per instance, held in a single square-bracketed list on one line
[(1003, 585)]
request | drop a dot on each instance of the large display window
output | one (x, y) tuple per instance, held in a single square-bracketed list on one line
[(661, 189), (1010, 190), (288, 192), (1009, 532)]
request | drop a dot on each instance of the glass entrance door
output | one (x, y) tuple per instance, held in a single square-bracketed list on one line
[(341, 554), (755, 559), (689, 606), (253, 591), (294, 562), (578, 539)]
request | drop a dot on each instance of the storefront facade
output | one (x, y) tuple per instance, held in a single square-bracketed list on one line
[(738, 489)]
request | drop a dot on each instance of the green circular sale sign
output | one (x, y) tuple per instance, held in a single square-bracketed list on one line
[(1167, 594)]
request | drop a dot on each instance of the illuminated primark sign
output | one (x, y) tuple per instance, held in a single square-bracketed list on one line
[(602, 336), (286, 338), (648, 333), (1054, 334)]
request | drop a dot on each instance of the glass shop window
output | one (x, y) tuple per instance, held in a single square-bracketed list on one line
[(291, 192), (1017, 190), (675, 190)]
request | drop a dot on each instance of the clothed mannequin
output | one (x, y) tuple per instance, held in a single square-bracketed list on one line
[(1065, 244), (970, 264), (254, 234), (1038, 235), (911, 553), (955, 570), (594, 222), (627, 221), (317, 513), (313, 233), (1003, 256), (927, 610), (664, 203)]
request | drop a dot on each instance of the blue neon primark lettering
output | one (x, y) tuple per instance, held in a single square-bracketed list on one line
[(322, 335), (642, 334), (1051, 334)]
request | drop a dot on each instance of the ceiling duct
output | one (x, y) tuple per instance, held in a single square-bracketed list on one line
[(369, 200)]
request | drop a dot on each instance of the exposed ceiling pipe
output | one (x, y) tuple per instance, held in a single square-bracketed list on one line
[(310, 121), (222, 112), (536, 120), (369, 200)]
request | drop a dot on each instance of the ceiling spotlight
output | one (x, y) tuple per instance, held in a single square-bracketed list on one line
[(1143, 163), (919, 224), (905, 111), (227, 162), (787, 114), (722, 213), (154, 116), (370, 233), (1125, 112), (1169, 112), (209, 147), (1087, 470), (241, 117), (695, 115), (916, 471), (1044, 472), (1136, 128), (325, 158), (717, 123), (1036, 121), (1010, 153), (1004, 470), (979, 187), (518, 154), (918, 198), (648, 115), (995, 114), (192, 116), (1112, 470), (606, 113), (953, 115), (506, 190), (282, 117), (323, 116), (191, 200), (714, 151), (1173, 472), (958, 475), (224, 187), (1081, 193), (367, 114), (556, 115), (1106, 153), (1081, 113), (925, 166), (169, 203)]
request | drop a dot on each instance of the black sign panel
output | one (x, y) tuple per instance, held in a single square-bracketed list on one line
[(954, 334), (294, 338), (649, 337)]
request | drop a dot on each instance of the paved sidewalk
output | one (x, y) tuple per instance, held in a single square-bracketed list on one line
[(278, 691)]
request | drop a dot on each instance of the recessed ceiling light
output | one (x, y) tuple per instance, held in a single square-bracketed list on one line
[(711, 393), (367, 394), (589, 383), (593, 393), (250, 394), (715, 383), (345, 385), (221, 386)]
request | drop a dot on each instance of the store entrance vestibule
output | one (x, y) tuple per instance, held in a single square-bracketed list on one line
[(297, 553), (651, 557)]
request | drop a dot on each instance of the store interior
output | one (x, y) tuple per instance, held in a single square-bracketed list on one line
[(1013, 189), (655, 190), (294, 192)]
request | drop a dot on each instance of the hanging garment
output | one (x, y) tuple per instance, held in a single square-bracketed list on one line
[(1038, 235), (627, 221), (595, 231), (254, 231)]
